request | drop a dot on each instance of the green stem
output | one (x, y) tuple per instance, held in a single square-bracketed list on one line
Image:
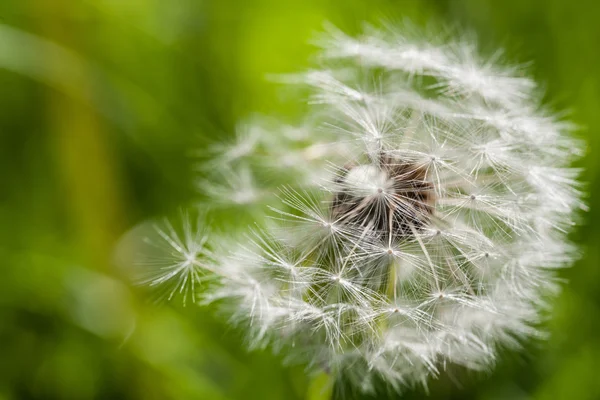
[(391, 283), (321, 387)]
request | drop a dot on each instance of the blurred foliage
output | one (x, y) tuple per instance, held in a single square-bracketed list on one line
[(102, 103)]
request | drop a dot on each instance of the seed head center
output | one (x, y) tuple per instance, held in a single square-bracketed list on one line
[(406, 207)]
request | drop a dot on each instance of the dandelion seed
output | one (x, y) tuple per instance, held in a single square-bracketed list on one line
[(175, 260)]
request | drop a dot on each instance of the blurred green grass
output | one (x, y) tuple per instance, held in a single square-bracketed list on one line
[(100, 104)]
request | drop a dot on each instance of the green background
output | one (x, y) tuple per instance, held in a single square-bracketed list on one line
[(101, 106)]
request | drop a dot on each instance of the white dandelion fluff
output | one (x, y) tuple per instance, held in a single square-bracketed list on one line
[(423, 210)]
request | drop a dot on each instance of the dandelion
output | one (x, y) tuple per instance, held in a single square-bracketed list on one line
[(422, 212)]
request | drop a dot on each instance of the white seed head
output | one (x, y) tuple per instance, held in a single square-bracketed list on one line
[(425, 202)]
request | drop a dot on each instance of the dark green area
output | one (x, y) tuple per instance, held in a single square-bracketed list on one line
[(101, 105)]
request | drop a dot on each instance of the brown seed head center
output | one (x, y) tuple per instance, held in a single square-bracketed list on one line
[(406, 205)]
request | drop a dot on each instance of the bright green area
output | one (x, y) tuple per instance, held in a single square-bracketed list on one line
[(101, 105)]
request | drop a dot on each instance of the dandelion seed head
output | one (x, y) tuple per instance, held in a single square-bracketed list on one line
[(418, 225)]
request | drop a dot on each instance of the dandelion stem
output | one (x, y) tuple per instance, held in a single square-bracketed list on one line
[(391, 283), (321, 387)]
